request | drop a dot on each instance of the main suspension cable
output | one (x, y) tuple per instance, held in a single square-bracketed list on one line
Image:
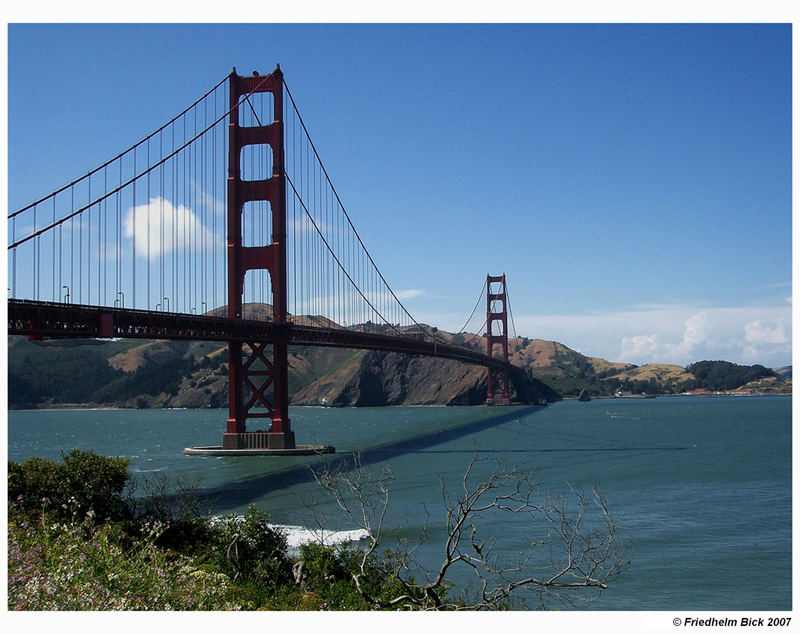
[(480, 297), (347, 216), (129, 181), (338, 262), (121, 154), (513, 326)]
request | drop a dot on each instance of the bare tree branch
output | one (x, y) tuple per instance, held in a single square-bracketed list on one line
[(582, 552)]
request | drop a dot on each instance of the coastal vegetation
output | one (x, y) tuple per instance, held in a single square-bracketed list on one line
[(723, 375), (75, 546), (79, 540)]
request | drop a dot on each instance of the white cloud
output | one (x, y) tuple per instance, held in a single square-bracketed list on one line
[(695, 335), (640, 346), (759, 332), (409, 293), (672, 333), (304, 225), (159, 227)]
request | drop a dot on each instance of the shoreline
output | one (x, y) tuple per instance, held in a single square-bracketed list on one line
[(635, 397)]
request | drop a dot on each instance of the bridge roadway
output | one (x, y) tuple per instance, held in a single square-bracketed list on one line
[(59, 320)]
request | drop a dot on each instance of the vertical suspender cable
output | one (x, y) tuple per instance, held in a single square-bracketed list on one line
[(36, 258), (71, 242), (14, 257), (203, 224), (102, 251), (133, 232), (214, 301), (119, 241), (148, 271), (89, 248), (174, 229), (161, 245), (55, 288), (193, 270), (184, 232), (294, 221)]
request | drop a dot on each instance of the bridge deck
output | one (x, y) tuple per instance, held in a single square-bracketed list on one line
[(52, 319)]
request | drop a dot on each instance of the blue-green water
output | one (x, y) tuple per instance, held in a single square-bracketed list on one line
[(702, 485)]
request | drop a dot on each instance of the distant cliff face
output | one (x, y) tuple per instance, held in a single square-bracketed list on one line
[(392, 378)]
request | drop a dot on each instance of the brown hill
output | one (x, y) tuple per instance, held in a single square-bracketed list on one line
[(665, 374)]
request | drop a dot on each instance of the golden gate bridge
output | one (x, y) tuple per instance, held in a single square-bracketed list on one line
[(189, 233)]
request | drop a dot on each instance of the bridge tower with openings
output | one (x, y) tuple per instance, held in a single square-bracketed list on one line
[(496, 333), (258, 376)]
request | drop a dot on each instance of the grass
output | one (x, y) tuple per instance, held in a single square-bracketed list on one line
[(88, 566)]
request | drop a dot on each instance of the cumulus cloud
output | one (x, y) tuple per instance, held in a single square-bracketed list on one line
[(695, 334), (159, 227), (672, 333), (640, 346), (765, 338), (759, 332)]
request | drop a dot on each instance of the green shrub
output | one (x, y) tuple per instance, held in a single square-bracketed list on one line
[(187, 529), (329, 572), (83, 481), (311, 601), (324, 564), (250, 551)]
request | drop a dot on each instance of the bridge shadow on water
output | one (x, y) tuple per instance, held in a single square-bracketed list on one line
[(241, 492), (235, 494)]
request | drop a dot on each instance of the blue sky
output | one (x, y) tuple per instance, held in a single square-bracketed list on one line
[(633, 181)]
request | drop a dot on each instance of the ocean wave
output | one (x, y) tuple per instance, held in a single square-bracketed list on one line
[(296, 536)]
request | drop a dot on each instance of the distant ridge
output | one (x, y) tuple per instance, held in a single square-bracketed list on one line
[(784, 372)]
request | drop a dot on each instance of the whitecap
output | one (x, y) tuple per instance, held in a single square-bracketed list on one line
[(296, 536)]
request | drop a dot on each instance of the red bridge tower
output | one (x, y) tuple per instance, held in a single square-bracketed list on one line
[(496, 332), (253, 371)]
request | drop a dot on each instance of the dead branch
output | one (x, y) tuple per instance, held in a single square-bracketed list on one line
[(582, 554)]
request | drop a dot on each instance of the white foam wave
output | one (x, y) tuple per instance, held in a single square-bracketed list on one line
[(296, 536)]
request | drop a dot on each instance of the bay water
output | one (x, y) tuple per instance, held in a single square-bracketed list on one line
[(702, 486)]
